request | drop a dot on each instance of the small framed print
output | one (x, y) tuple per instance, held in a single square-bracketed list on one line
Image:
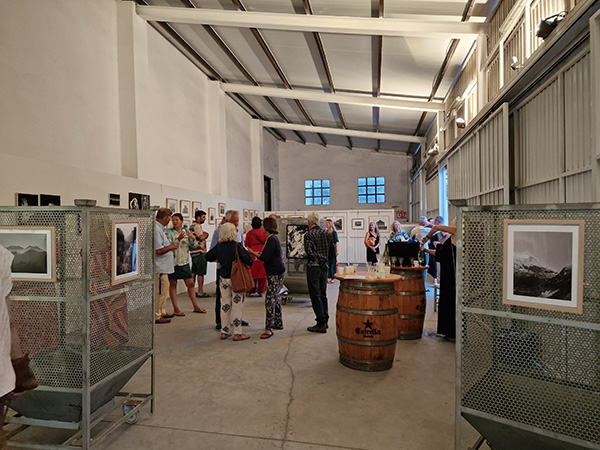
[(543, 264), (196, 206), (383, 222), (358, 224), (211, 216), (172, 205), (114, 199), (125, 250), (338, 224), (49, 200), (222, 209), (34, 253), (185, 207), (27, 199)]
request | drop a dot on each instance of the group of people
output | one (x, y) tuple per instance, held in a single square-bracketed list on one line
[(175, 246)]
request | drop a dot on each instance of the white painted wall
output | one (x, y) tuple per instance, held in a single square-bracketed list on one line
[(343, 167), (270, 160)]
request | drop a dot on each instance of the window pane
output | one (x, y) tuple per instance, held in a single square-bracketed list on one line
[(318, 192), (371, 181), (370, 199), (362, 190), (381, 189), (362, 199), (381, 199), (308, 184), (308, 201), (326, 192), (380, 180), (317, 183), (362, 181), (371, 190), (308, 192), (326, 200), (326, 183), (317, 200)]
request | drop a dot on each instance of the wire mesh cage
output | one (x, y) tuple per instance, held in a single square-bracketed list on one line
[(86, 334), (532, 371)]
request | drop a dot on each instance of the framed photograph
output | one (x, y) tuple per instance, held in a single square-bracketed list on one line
[(222, 209), (383, 222), (49, 200), (196, 206), (114, 199), (338, 223), (295, 241), (358, 224), (172, 204), (246, 215), (186, 207), (135, 200), (27, 199), (211, 216), (125, 254), (543, 264), (34, 252), (144, 201)]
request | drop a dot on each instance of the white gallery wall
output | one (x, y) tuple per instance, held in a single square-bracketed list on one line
[(343, 166)]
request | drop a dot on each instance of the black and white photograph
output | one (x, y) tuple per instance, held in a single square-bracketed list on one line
[(543, 264), (295, 241), (383, 222), (196, 206), (186, 207), (144, 201), (172, 205), (27, 199), (49, 200), (114, 199), (33, 251), (210, 216), (222, 209), (135, 200), (125, 255), (358, 224), (338, 224)]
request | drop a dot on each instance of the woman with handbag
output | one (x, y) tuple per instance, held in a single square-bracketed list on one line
[(275, 269), (227, 252), (255, 240)]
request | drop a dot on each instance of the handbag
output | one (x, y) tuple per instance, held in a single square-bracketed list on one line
[(241, 277)]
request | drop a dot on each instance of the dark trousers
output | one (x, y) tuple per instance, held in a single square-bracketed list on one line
[(316, 277), (218, 300)]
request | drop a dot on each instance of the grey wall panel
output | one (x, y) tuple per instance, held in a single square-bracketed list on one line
[(577, 188), (547, 192)]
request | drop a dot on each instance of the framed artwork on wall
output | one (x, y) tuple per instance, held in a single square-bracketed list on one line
[(49, 200), (27, 199), (295, 241), (246, 215), (34, 253), (172, 205), (543, 264), (358, 224), (185, 207), (222, 209), (114, 199), (383, 222), (211, 216), (125, 250), (338, 223), (196, 206)]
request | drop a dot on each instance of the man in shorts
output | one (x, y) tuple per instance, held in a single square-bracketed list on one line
[(198, 259)]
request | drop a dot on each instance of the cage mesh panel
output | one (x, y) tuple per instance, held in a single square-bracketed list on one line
[(50, 322), (536, 373)]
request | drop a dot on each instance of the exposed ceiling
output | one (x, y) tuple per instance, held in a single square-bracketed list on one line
[(331, 72)]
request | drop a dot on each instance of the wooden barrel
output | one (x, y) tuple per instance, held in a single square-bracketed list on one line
[(411, 301), (366, 325)]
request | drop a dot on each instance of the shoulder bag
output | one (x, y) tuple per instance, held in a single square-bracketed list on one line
[(241, 277)]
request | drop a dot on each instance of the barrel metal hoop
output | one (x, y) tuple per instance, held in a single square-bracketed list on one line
[(367, 343), (410, 293), (403, 276), (367, 312), (377, 361), (345, 290), (403, 316)]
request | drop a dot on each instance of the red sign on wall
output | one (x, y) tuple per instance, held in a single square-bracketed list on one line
[(401, 215)]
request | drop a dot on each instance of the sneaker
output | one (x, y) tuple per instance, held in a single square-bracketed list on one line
[(162, 320), (317, 329)]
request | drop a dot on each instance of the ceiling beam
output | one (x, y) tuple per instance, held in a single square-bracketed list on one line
[(342, 132), (311, 23), (318, 96)]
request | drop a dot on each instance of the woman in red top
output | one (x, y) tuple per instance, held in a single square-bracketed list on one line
[(255, 240)]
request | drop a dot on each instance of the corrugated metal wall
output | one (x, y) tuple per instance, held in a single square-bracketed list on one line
[(552, 140), (514, 46), (415, 197), (433, 196)]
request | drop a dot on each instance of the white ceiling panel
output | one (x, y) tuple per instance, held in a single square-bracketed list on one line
[(398, 121), (351, 8), (349, 58)]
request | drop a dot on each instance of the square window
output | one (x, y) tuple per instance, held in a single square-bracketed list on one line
[(317, 200), (381, 199), (308, 184), (370, 199), (362, 181), (317, 183), (317, 192), (381, 189), (308, 192), (308, 201), (326, 192), (362, 199), (380, 180), (371, 190), (326, 200), (362, 190), (325, 183), (371, 181)]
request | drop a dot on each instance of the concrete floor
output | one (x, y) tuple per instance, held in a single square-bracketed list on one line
[(289, 392)]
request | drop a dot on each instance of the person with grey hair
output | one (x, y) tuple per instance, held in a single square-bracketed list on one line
[(232, 303), (318, 244)]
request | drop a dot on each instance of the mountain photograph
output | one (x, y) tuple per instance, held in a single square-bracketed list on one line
[(28, 247)]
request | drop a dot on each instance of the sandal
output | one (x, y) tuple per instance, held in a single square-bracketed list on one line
[(204, 295), (267, 334), (179, 314), (240, 337), (200, 311), (224, 336)]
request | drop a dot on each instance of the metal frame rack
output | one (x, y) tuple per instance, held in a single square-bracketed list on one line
[(85, 335)]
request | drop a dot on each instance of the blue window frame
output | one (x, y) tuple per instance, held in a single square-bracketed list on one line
[(317, 192), (371, 190)]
